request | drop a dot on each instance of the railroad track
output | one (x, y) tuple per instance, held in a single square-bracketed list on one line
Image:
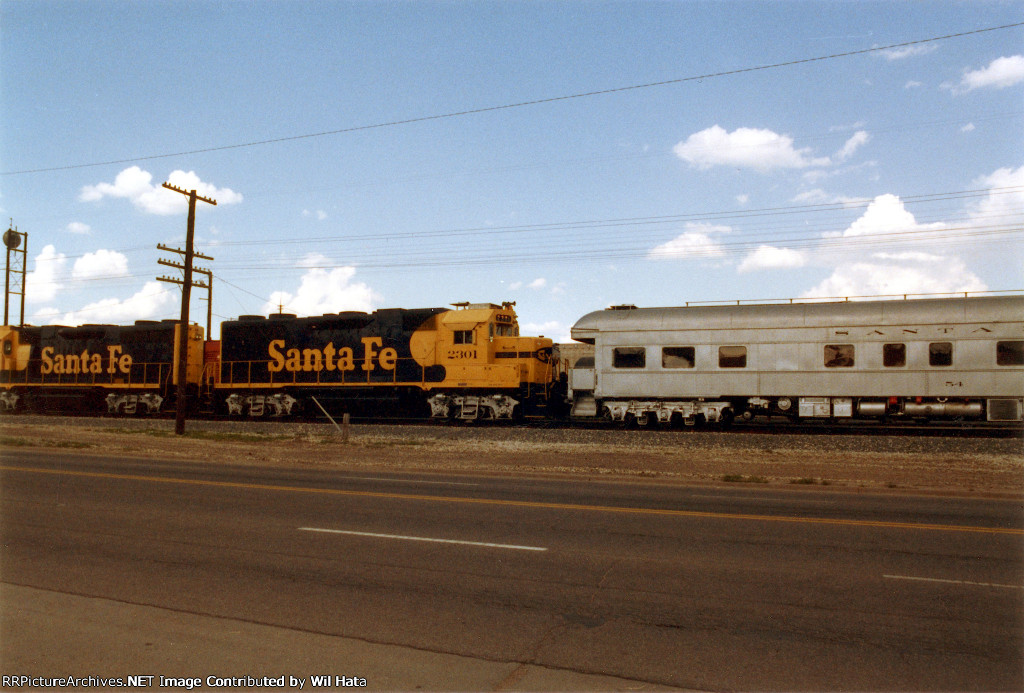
[(758, 426)]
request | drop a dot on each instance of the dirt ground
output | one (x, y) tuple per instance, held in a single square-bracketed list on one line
[(948, 465)]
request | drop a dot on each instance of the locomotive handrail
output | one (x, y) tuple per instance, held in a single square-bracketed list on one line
[(32, 375), (228, 377), (846, 299)]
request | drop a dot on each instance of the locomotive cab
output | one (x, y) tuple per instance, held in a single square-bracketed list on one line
[(490, 371)]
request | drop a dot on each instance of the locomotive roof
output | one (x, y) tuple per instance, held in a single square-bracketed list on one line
[(768, 315)]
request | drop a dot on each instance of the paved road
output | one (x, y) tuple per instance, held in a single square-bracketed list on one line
[(445, 582)]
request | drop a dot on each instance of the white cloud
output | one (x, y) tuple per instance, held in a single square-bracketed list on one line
[(906, 51), (915, 268), (319, 214), (78, 227), (910, 255), (770, 257), (819, 196), (697, 241), (322, 290), (536, 284), (101, 264), (743, 199), (762, 150), (912, 84), (967, 128), (136, 185), (885, 215), (314, 260), (816, 196), (846, 127), (897, 278), (911, 262), (44, 316), (152, 301), (1005, 199), (551, 329), (858, 139), (43, 283), (1000, 73)]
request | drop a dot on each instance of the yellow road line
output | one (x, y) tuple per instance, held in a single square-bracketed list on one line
[(523, 504)]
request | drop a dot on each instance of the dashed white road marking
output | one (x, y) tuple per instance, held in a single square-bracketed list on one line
[(411, 481), (430, 539), (761, 499), (953, 582)]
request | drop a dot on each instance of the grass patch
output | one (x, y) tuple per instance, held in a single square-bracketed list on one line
[(743, 478), (207, 435), (374, 444), (26, 443), (239, 437), (809, 481)]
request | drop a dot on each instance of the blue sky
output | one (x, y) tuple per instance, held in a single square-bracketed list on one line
[(884, 172)]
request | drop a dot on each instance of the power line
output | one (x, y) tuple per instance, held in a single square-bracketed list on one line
[(591, 224), (767, 225), (606, 223), (520, 104)]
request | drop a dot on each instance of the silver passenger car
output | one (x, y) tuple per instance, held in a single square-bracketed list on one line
[(923, 358)]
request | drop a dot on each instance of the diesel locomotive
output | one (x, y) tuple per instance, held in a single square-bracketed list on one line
[(100, 368), (466, 363)]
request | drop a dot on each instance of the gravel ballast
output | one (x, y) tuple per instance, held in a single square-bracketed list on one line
[(948, 464)]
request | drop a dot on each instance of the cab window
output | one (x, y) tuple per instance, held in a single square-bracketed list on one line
[(463, 337)]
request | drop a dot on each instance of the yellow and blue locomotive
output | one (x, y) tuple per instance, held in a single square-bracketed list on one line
[(466, 363), (97, 368)]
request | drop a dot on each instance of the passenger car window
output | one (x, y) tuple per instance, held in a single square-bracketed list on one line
[(940, 354), (1010, 353), (838, 356), (894, 355), (629, 357), (732, 357), (677, 357)]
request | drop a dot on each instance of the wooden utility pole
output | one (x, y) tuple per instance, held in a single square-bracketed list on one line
[(199, 284), (186, 291)]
